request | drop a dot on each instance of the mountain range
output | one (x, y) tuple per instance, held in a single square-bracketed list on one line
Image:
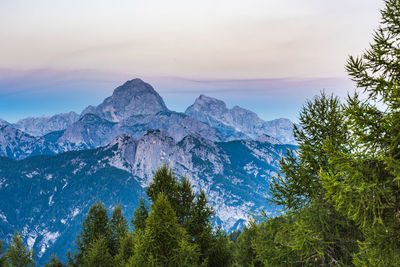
[(54, 168)]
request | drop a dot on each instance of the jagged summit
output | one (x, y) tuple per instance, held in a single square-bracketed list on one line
[(215, 113), (3, 122), (134, 97), (208, 103)]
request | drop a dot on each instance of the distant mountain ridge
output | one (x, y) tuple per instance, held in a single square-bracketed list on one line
[(215, 113), (133, 108)]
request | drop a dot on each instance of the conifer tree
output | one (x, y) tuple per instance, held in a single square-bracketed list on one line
[(98, 254), (365, 183), (185, 201), (163, 237), (54, 262), (118, 228), (319, 234), (18, 254), (199, 227), (95, 226), (164, 182), (246, 255), (126, 249), (221, 252), (140, 215), (2, 256)]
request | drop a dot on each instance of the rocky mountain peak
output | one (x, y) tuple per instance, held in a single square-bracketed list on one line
[(3, 122), (134, 97), (207, 103)]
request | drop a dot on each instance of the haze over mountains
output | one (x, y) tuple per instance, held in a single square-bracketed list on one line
[(113, 149)]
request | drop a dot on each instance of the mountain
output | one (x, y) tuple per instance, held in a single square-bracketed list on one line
[(215, 113), (3, 122), (17, 144), (133, 108), (48, 196), (43, 125), (134, 97)]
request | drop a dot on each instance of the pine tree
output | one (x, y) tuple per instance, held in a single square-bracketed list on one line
[(221, 252), (365, 183), (98, 254), (118, 227), (18, 254), (246, 255), (185, 201), (3, 258), (164, 182), (199, 226), (54, 262), (193, 213), (95, 226), (126, 249), (140, 215), (162, 238)]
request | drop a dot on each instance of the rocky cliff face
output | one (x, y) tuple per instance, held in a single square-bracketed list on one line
[(17, 144), (215, 113), (43, 125), (134, 97), (48, 196)]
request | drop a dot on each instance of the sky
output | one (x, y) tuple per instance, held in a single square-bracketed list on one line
[(268, 56)]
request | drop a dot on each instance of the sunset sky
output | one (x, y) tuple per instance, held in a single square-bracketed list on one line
[(267, 56)]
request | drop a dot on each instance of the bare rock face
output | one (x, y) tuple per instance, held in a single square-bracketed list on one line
[(134, 97), (40, 126), (215, 113), (17, 144)]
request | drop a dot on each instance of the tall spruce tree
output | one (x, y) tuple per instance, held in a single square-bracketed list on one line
[(193, 213), (140, 215), (95, 226), (163, 238), (365, 182), (98, 254), (118, 228)]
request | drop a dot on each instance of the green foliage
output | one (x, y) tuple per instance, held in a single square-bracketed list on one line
[(99, 254), (272, 243), (193, 213), (140, 215), (118, 227), (246, 255), (317, 233), (164, 182), (126, 249), (95, 227), (162, 241), (3, 258), (18, 254), (221, 252), (364, 181), (320, 119), (185, 201), (54, 262), (186, 254), (199, 226)]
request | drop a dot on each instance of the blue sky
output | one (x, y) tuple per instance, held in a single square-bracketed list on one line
[(265, 55)]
